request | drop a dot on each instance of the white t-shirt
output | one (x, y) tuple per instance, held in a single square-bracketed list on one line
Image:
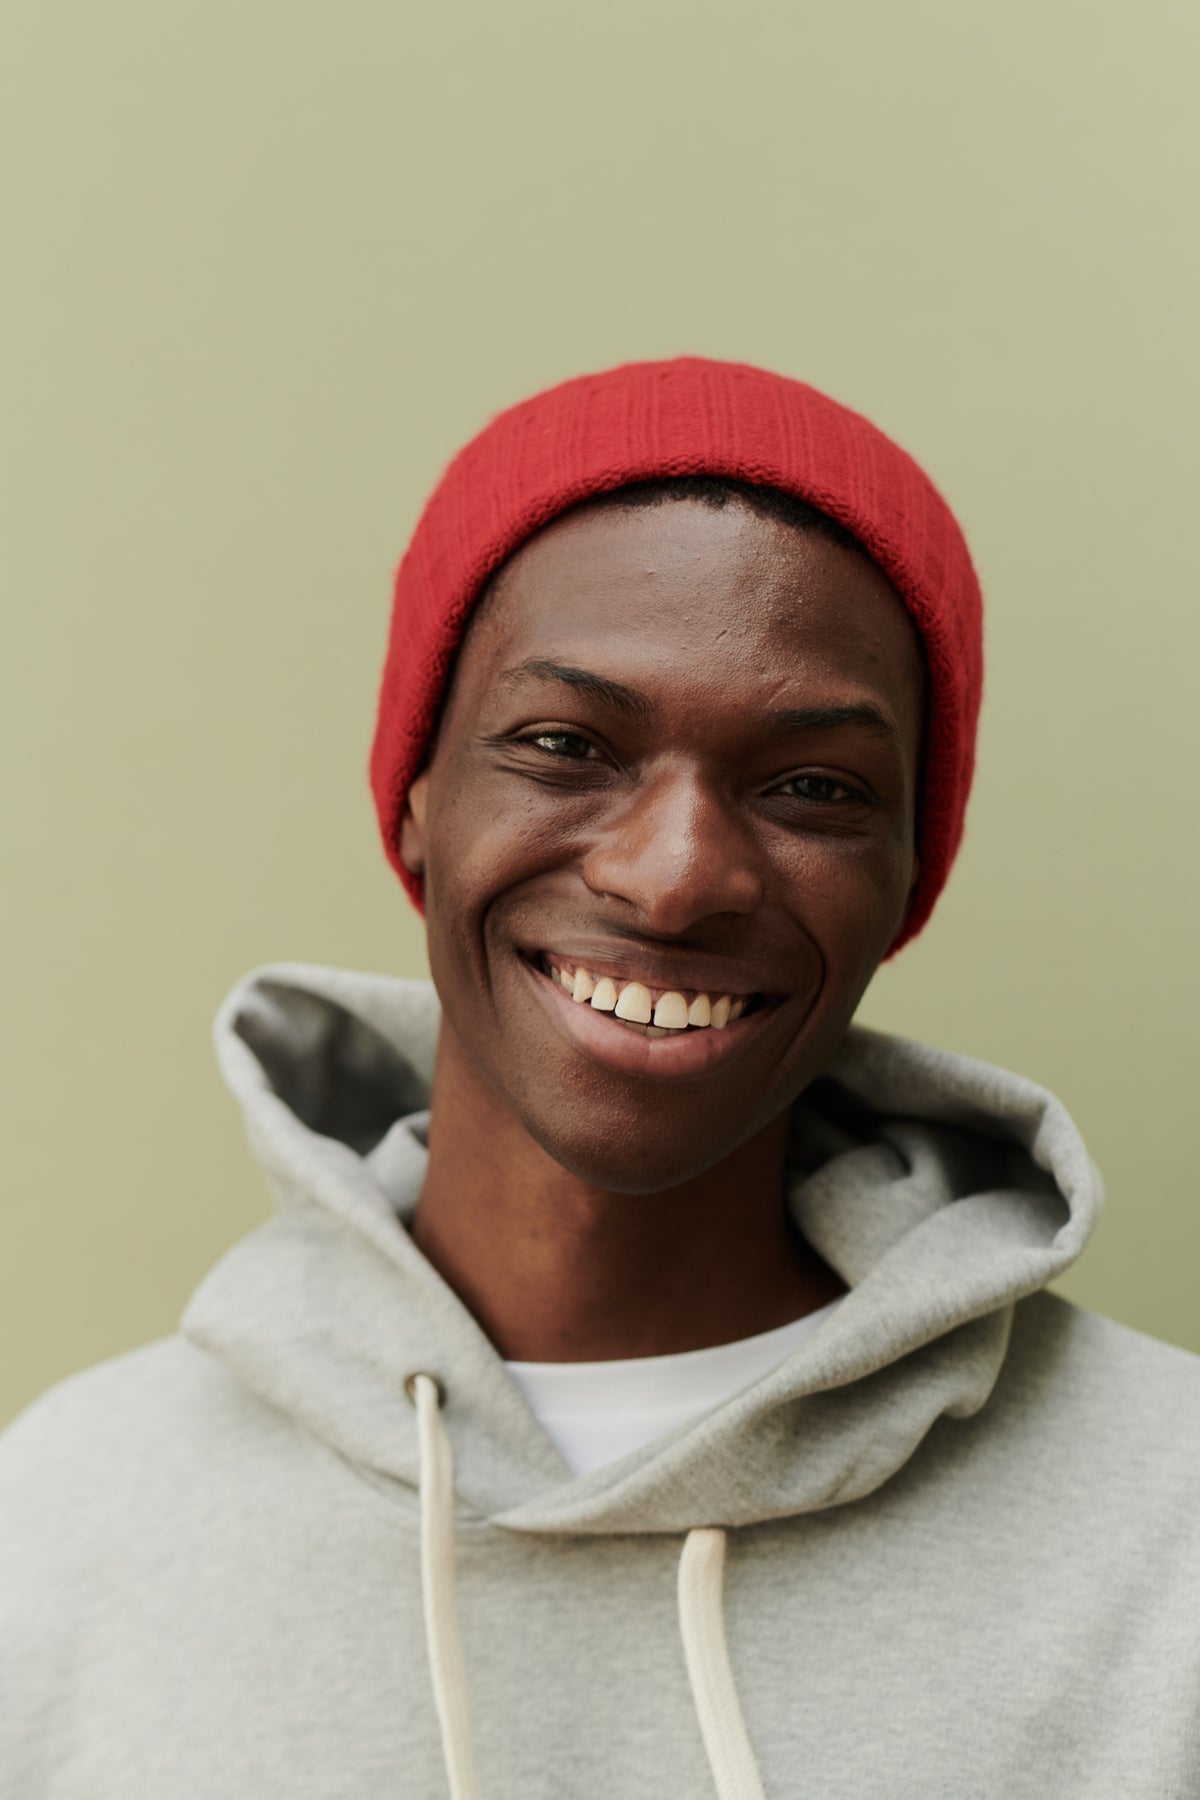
[(596, 1412)]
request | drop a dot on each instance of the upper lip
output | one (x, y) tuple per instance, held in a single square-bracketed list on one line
[(657, 968)]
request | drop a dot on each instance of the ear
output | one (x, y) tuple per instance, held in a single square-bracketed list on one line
[(911, 894), (412, 825)]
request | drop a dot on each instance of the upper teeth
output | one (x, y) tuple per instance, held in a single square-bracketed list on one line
[(635, 1003)]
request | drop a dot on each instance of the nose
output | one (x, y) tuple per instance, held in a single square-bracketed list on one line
[(678, 852)]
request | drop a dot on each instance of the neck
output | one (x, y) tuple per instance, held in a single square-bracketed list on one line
[(556, 1269)]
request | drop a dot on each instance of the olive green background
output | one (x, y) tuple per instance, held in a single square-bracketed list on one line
[(267, 264)]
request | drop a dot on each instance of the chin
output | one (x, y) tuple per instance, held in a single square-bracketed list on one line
[(629, 1165)]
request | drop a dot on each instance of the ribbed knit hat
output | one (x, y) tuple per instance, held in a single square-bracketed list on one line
[(688, 416)]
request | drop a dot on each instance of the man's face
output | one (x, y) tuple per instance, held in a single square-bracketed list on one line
[(681, 751)]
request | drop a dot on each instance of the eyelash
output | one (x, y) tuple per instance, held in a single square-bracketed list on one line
[(853, 795), (540, 739)]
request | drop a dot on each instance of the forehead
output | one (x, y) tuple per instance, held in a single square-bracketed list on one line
[(696, 597)]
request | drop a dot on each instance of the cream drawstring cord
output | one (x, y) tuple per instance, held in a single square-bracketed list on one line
[(446, 1664), (701, 1624)]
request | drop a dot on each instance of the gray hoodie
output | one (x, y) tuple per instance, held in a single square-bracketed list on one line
[(959, 1526)]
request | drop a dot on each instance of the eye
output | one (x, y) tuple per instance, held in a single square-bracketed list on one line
[(566, 744), (822, 790)]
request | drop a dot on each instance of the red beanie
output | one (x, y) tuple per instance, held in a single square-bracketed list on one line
[(689, 416)]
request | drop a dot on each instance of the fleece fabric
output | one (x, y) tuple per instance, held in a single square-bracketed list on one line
[(963, 1550), (595, 1412)]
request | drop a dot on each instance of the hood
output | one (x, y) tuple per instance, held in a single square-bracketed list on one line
[(940, 1189)]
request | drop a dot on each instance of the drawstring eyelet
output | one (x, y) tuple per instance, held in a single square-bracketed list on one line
[(410, 1386)]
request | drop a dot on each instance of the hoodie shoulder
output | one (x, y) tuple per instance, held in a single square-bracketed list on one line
[(1113, 1400), (121, 1440), (98, 1407), (1102, 1351)]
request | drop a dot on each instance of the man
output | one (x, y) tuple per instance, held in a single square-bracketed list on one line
[(629, 1256)]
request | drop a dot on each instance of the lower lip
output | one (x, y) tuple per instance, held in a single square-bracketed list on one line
[(606, 1041)]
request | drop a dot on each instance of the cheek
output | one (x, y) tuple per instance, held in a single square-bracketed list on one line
[(475, 856), (486, 836), (850, 893)]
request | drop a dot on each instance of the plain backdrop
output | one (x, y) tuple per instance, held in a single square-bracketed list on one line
[(267, 264)]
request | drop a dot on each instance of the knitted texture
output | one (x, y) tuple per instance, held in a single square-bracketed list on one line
[(687, 416)]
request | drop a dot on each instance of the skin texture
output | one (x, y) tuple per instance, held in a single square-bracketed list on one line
[(589, 1202)]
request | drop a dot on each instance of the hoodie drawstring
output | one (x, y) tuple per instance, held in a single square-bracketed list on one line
[(701, 1625), (442, 1640)]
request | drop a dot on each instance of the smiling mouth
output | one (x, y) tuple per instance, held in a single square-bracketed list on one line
[(653, 1011)]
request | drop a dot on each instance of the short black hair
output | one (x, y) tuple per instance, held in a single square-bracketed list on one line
[(717, 491)]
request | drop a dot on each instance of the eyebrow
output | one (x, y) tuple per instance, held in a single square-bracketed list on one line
[(596, 687), (828, 718), (784, 721)]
